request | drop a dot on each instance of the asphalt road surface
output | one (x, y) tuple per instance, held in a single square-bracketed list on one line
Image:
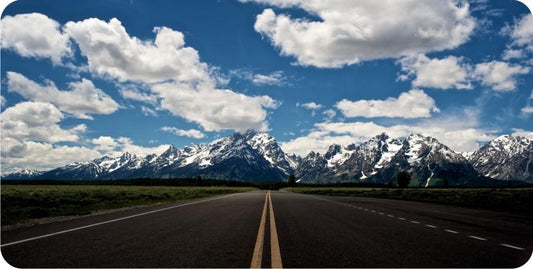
[(278, 229)]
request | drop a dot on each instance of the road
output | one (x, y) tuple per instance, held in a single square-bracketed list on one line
[(278, 229)]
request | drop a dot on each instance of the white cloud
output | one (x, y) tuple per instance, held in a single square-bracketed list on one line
[(509, 54), (215, 109), (35, 121), (114, 147), (528, 109), (18, 155), (179, 132), (329, 114), (412, 104), (443, 73), (35, 35), (83, 98), (183, 85), (148, 111), (523, 133), (501, 76), (104, 143), (112, 52), (354, 31), (311, 106), (522, 32), (459, 130), (274, 78), (134, 94), (3, 101)]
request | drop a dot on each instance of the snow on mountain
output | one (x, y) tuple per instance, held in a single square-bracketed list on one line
[(380, 158), (252, 156), (506, 157), (23, 174)]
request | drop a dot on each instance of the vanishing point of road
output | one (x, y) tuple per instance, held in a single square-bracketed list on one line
[(278, 229)]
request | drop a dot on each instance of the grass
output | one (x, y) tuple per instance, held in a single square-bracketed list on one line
[(518, 200), (21, 203)]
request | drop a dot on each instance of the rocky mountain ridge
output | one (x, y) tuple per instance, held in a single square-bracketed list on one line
[(257, 157)]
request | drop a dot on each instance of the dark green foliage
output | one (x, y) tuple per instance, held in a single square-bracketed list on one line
[(23, 202), (403, 178), (292, 180)]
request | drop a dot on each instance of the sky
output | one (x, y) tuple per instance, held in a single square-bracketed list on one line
[(84, 79)]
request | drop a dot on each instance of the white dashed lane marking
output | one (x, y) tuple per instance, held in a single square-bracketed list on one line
[(430, 226), (511, 246), (477, 237)]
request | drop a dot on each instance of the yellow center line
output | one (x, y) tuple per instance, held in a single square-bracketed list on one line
[(258, 249), (275, 254)]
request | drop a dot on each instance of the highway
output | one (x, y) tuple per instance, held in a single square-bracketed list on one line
[(278, 229)]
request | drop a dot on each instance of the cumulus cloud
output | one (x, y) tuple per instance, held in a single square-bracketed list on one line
[(180, 132), (523, 133), (310, 106), (353, 31), (459, 130), (114, 147), (444, 73), (522, 32), (510, 54), (179, 82), (82, 99), (35, 121), (110, 51), (501, 76), (136, 95), (35, 35), (29, 130), (412, 104), (18, 155), (2, 101), (215, 109)]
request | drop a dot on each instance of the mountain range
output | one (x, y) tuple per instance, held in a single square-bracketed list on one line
[(257, 157)]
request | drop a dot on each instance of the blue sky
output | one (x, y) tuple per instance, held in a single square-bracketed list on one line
[(83, 79)]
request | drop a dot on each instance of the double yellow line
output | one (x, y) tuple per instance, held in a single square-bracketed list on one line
[(275, 254)]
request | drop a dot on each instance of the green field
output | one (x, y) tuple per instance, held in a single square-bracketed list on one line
[(21, 203), (519, 200)]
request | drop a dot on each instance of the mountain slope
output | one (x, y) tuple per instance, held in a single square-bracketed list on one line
[(256, 157), (246, 157), (379, 159), (506, 157)]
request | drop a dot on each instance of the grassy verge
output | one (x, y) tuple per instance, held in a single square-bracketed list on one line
[(519, 200), (21, 203)]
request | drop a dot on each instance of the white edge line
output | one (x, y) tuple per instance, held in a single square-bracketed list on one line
[(511, 246), (477, 237), (113, 220)]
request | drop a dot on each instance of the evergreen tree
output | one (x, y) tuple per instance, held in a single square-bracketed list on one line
[(403, 178), (292, 180)]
